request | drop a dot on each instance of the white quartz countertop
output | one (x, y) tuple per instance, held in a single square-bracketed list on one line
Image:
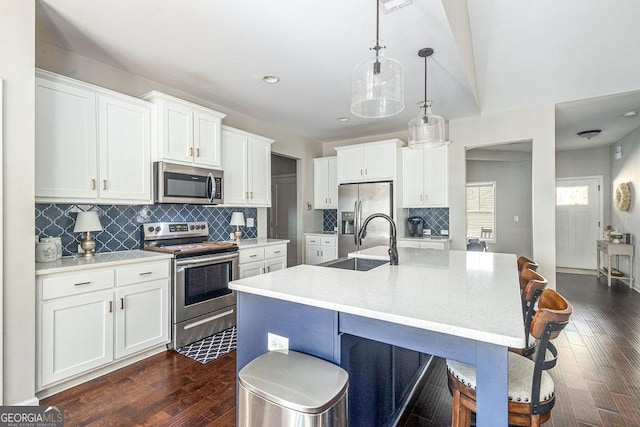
[(468, 294), (254, 243), (104, 259), (321, 233)]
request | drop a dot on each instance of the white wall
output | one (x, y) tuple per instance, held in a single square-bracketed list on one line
[(17, 29), (513, 198), (57, 60), (535, 124), (588, 162), (628, 170)]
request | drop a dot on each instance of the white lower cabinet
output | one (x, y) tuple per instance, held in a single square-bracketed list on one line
[(425, 244), (263, 259), (90, 318), (77, 335), (321, 248)]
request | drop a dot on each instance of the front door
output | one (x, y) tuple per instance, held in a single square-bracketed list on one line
[(578, 221)]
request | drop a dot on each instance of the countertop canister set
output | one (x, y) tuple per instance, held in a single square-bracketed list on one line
[(48, 249)]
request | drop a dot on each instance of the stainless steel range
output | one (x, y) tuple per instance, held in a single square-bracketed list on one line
[(202, 303)]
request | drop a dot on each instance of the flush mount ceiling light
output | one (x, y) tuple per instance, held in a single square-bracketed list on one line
[(270, 79), (427, 129), (630, 113), (588, 134), (343, 119), (377, 84)]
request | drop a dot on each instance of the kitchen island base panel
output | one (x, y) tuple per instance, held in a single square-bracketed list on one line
[(380, 375)]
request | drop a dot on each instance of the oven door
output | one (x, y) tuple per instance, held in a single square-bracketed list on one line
[(201, 285)]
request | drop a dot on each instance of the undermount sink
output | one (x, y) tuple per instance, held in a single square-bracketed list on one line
[(356, 264)]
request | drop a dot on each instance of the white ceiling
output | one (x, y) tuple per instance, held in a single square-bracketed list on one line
[(495, 55)]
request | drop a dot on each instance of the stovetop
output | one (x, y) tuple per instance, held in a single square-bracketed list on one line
[(182, 238)]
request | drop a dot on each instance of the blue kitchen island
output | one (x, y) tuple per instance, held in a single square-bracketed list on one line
[(381, 324)]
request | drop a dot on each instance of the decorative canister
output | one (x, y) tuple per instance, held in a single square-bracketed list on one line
[(45, 252), (57, 241)]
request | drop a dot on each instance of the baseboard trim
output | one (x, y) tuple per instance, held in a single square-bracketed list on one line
[(29, 402), (575, 271)]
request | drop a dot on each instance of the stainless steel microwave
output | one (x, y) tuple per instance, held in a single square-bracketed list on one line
[(186, 184)]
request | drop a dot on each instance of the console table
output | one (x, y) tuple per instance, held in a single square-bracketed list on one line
[(610, 249)]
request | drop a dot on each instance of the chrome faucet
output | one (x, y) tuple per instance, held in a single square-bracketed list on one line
[(393, 247)]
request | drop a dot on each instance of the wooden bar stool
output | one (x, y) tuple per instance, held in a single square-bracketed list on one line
[(531, 388), (532, 284), (524, 262)]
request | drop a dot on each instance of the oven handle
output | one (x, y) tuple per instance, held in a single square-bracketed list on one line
[(190, 262)]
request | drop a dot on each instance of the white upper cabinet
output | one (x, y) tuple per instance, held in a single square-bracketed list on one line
[(424, 173), (374, 161), (325, 183), (92, 145), (186, 133), (247, 166)]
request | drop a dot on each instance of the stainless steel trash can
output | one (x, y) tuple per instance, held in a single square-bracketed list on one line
[(287, 389)]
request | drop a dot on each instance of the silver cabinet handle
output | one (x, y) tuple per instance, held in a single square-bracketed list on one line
[(93, 184), (253, 256), (81, 283), (276, 252), (104, 184), (145, 273), (110, 306), (121, 303)]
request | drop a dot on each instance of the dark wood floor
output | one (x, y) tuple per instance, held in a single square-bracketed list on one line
[(597, 377)]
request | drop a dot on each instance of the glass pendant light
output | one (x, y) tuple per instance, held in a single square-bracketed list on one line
[(427, 130), (377, 84)]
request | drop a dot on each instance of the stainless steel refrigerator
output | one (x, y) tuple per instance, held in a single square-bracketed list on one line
[(355, 203)]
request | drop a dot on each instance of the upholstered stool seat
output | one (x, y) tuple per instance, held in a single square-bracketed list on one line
[(520, 378)]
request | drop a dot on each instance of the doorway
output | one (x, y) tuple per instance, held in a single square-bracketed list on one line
[(282, 216), (578, 221)]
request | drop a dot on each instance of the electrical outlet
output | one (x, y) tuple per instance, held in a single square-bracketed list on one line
[(444, 232), (276, 342), (516, 218), (250, 222)]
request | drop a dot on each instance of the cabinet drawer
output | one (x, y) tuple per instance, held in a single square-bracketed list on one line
[(275, 251), (432, 245), (77, 283), (143, 272), (251, 254), (313, 240), (329, 241)]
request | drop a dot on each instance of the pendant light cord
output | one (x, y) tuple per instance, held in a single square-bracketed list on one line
[(376, 65), (425, 85)]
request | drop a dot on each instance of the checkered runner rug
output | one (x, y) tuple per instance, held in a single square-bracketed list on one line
[(210, 348)]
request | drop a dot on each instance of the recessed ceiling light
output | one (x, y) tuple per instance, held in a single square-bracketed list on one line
[(391, 5), (630, 113), (588, 134), (270, 79), (343, 119)]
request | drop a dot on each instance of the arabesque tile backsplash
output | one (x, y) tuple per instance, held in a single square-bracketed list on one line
[(121, 223), (436, 219)]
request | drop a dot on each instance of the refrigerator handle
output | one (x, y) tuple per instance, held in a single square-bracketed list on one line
[(359, 222), (355, 223)]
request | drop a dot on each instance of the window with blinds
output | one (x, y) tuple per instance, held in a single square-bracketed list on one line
[(481, 210)]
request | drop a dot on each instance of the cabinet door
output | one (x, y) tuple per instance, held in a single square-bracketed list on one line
[(259, 172), (251, 269), (125, 150), (177, 131), (329, 253), (320, 183), (234, 148), (435, 177), (332, 183), (350, 165), (206, 139), (275, 264), (412, 178), (76, 335), (142, 316), (314, 255), (65, 142), (379, 161)]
